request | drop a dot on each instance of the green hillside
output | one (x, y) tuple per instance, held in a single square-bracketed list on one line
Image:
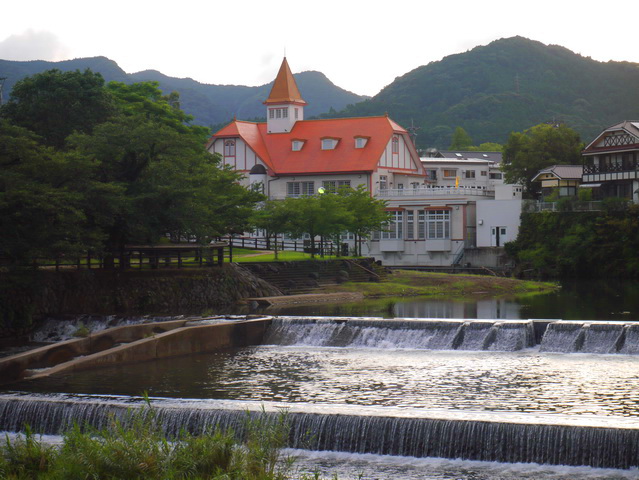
[(509, 85), (209, 104)]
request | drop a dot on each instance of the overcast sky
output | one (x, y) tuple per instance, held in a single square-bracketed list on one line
[(360, 45)]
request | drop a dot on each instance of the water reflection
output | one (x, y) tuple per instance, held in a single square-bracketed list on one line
[(576, 300), (528, 381)]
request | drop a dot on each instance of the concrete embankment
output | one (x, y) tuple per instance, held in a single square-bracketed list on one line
[(132, 344)]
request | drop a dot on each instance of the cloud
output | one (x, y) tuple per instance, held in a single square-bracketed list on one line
[(33, 45)]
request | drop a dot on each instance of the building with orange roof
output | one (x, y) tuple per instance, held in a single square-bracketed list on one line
[(290, 156)]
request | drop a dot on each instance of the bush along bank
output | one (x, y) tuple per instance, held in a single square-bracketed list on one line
[(578, 244), (137, 448)]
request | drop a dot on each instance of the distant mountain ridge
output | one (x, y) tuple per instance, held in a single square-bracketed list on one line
[(508, 85), (209, 104)]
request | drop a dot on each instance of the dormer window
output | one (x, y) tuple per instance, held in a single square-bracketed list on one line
[(360, 142), (329, 143), (296, 145)]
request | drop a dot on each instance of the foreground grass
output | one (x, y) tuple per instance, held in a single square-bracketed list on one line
[(138, 449), (407, 283)]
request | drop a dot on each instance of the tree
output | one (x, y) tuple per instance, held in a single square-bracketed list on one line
[(274, 217), (461, 139), (368, 214), (42, 199), (54, 104), (539, 147)]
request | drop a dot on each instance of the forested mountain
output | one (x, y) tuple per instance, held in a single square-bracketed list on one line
[(209, 104), (509, 85)]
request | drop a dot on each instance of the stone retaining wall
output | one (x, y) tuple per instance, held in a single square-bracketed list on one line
[(29, 296)]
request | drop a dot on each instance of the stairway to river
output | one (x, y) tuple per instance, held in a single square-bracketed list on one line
[(294, 278)]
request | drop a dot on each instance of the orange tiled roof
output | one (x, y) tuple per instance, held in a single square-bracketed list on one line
[(284, 88), (276, 152)]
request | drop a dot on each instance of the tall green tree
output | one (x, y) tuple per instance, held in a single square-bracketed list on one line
[(539, 147), (43, 194), (461, 139), (54, 104)]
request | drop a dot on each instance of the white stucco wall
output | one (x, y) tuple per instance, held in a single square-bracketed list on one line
[(497, 213)]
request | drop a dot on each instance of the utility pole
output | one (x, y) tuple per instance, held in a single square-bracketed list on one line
[(412, 131), (2, 79)]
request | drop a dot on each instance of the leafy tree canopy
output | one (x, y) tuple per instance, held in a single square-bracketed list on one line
[(54, 104), (461, 140), (539, 147)]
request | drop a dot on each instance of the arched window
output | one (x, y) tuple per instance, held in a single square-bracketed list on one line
[(229, 148), (395, 144)]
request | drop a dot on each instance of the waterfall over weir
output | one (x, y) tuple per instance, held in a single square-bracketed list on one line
[(426, 334), (591, 337), (471, 436)]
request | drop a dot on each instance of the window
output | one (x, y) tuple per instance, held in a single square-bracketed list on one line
[(414, 185), (271, 113), (297, 112), (448, 173), (431, 174), (421, 224), (333, 186), (394, 231), (360, 142), (438, 224), (229, 148), (296, 189), (285, 113), (328, 143), (470, 173), (297, 145), (400, 186), (278, 113), (395, 144), (410, 224), (383, 182), (484, 173), (495, 176)]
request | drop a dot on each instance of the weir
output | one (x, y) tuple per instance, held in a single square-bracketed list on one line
[(426, 334), (470, 435)]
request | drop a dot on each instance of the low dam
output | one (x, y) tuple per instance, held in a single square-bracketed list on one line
[(489, 390)]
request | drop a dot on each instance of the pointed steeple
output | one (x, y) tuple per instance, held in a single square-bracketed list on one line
[(284, 105), (284, 88)]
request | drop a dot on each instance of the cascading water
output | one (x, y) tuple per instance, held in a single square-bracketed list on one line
[(590, 337), (386, 432), (431, 334)]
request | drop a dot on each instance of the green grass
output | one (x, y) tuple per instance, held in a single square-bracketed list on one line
[(405, 283), (283, 256)]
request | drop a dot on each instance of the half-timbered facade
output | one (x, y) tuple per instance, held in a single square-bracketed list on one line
[(611, 162)]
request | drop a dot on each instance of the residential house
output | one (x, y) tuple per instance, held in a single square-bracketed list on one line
[(562, 180), (611, 162)]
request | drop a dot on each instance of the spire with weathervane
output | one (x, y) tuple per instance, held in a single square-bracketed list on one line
[(284, 105)]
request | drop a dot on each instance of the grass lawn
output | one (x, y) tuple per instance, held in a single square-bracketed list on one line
[(245, 255), (408, 283)]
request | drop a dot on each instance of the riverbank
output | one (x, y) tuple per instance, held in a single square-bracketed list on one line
[(408, 283)]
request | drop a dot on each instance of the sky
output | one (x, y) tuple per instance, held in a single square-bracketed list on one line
[(361, 46)]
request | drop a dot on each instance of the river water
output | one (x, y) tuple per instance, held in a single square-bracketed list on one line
[(529, 382)]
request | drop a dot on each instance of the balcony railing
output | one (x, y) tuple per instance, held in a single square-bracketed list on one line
[(434, 192), (628, 167)]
